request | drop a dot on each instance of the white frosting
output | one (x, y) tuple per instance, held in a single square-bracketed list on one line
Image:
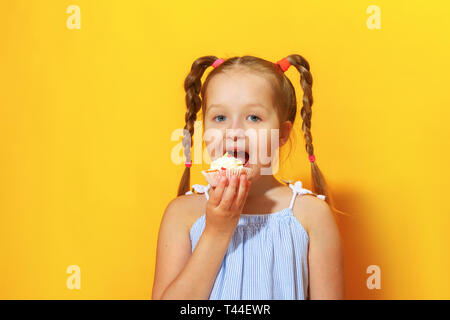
[(226, 161)]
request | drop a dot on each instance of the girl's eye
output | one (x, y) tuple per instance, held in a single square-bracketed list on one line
[(256, 118), (219, 117)]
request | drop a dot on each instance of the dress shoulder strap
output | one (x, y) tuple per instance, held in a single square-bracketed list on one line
[(297, 188), (200, 188)]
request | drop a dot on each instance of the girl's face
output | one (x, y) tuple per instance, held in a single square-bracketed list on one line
[(240, 119)]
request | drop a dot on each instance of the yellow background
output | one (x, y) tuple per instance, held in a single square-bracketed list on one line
[(86, 118)]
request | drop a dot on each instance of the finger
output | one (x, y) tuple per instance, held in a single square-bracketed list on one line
[(229, 194), (216, 195), (248, 183), (241, 192)]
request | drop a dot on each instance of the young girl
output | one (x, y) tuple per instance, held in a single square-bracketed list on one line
[(251, 237)]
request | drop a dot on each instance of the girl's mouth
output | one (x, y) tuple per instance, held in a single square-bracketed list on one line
[(241, 155)]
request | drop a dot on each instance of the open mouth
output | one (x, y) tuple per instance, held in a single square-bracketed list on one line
[(241, 155)]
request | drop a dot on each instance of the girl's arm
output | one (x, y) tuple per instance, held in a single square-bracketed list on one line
[(180, 274), (326, 263)]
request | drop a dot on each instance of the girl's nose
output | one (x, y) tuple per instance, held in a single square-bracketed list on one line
[(234, 134), (236, 123)]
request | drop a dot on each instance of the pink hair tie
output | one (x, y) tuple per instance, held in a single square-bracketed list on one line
[(312, 158), (217, 63), (188, 164), (284, 64)]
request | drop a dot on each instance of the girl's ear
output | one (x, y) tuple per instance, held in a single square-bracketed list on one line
[(285, 130)]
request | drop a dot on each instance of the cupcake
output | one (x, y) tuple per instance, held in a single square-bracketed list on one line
[(227, 163)]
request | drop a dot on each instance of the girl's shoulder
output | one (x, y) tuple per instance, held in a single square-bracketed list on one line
[(192, 206), (307, 207), (312, 212)]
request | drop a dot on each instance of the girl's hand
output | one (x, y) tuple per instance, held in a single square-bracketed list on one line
[(225, 205)]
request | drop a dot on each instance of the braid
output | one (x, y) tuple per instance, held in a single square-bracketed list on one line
[(192, 86), (306, 112), (319, 184)]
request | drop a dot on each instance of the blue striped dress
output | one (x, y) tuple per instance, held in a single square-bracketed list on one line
[(267, 258)]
